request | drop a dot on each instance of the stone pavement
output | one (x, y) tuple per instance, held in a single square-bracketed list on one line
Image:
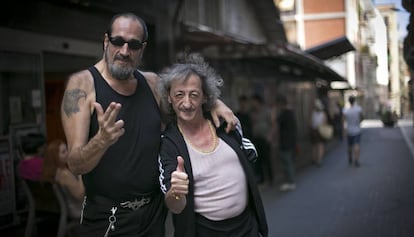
[(376, 199)]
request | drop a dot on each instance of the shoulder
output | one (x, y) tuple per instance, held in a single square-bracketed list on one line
[(236, 133), (170, 131), (170, 134), (152, 80), (82, 80)]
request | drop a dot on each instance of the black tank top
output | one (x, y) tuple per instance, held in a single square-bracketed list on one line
[(129, 168)]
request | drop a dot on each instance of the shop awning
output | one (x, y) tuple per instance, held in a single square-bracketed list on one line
[(331, 48), (286, 60)]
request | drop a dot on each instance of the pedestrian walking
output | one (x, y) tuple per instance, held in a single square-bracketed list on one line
[(318, 118), (353, 118), (287, 130), (262, 127)]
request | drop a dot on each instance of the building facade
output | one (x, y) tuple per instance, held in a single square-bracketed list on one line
[(350, 36)]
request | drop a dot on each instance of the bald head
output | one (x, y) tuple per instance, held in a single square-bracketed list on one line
[(131, 16)]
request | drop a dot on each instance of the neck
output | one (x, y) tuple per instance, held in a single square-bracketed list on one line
[(192, 126), (201, 136)]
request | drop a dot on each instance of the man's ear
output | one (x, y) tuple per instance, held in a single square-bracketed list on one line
[(105, 41), (169, 99)]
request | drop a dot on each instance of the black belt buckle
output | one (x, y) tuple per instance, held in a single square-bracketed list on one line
[(135, 204)]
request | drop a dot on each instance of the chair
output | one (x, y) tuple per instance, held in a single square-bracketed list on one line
[(65, 222), (42, 206), (31, 217)]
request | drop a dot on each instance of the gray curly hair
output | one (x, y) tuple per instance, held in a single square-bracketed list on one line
[(192, 64)]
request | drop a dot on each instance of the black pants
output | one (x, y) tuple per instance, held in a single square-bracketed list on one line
[(243, 225), (263, 165), (147, 221)]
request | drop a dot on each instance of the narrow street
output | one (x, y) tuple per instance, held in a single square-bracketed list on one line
[(337, 200)]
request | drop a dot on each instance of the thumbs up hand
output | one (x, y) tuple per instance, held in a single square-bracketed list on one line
[(180, 166), (179, 180)]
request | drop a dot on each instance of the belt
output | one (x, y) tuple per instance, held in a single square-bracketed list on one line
[(133, 204)]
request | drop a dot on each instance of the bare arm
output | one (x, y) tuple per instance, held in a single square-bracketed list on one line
[(77, 106), (74, 184), (221, 110)]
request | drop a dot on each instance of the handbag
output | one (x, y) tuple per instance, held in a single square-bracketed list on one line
[(326, 131)]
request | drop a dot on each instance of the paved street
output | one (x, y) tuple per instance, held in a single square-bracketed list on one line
[(374, 200)]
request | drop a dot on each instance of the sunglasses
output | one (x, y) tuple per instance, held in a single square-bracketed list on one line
[(132, 44)]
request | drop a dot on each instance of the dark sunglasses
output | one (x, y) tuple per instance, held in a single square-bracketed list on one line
[(132, 44)]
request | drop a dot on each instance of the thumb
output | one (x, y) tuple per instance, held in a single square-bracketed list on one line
[(180, 166)]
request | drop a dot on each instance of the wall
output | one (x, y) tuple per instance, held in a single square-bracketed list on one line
[(323, 6), (19, 76), (321, 31)]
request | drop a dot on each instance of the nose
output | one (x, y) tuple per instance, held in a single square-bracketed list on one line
[(186, 102), (124, 50)]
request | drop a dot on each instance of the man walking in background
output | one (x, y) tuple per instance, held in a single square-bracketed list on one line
[(353, 118), (286, 122)]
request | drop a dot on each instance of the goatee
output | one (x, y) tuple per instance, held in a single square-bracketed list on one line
[(119, 72)]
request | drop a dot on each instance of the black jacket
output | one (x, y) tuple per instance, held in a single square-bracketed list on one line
[(173, 144)]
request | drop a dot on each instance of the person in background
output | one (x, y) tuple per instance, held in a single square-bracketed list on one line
[(30, 170), (262, 130), (318, 118), (31, 165), (338, 120), (353, 118), (112, 123), (243, 114), (55, 170), (205, 173), (287, 130)]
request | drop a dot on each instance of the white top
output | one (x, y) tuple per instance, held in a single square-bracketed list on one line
[(318, 118), (220, 186), (352, 117)]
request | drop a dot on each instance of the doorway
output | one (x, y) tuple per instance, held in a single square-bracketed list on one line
[(57, 69)]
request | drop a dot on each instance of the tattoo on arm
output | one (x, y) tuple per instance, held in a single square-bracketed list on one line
[(71, 99)]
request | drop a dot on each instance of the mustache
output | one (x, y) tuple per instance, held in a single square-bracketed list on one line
[(123, 58), (186, 109)]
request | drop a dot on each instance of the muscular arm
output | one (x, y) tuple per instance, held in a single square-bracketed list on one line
[(77, 106)]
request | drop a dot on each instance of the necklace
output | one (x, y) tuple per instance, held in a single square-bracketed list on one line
[(213, 134)]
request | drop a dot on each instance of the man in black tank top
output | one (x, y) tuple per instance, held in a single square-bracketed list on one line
[(111, 118)]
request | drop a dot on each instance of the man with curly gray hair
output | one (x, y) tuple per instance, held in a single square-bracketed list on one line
[(205, 173), (192, 64)]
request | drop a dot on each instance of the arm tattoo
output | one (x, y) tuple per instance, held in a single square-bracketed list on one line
[(70, 101)]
